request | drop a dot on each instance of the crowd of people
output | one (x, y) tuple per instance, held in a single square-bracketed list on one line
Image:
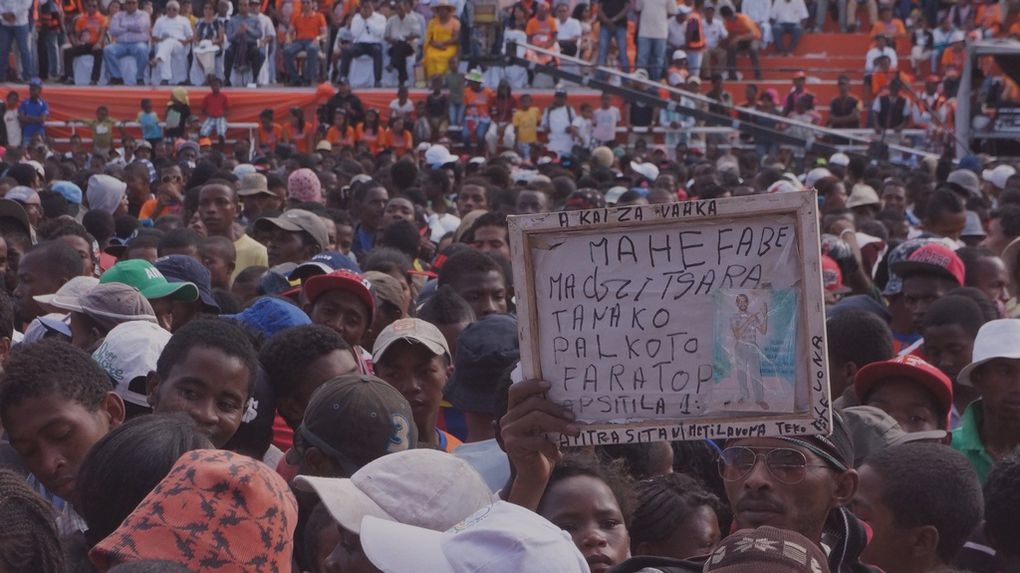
[(303, 360)]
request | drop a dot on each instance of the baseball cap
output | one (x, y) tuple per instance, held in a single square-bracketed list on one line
[(69, 190), (13, 210), (438, 156), (344, 280), (966, 180), (647, 170), (113, 303), (270, 315), (44, 325), (324, 146), (815, 174), (254, 184), (679, 55), (385, 288), (767, 549), (683, 9), (500, 538), (444, 491), (276, 280), (128, 352), (862, 195), (614, 194), (912, 368), (933, 258), (23, 195), (995, 339), (832, 276), (322, 263), (354, 419), (999, 175), (185, 269), (485, 350), (295, 220), (874, 430), (147, 279), (411, 330), (841, 159), (68, 295), (899, 254)]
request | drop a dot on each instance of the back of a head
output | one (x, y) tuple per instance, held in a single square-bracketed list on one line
[(179, 241), (59, 259), (386, 260), (955, 309), (942, 201), (972, 257), (126, 464), (286, 355), (1002, 505), (859, 337), (1008, 216), (28, 535), (984, 304), (402, 236), (100, 225), (209, 333), (663, 504), (446, 307), (930, 484)]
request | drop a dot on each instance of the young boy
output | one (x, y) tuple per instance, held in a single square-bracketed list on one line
[(102, 131), (151, 130), (604, 122), (207, 371), (11, 120), (220, 257), (215, 107), (525, 122), (55, 403), (342, 301), (412, 356), (915, 393)]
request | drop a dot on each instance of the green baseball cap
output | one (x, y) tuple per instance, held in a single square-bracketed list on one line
[(142, 275)]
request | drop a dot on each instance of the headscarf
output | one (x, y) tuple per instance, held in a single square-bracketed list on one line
[(304, 185), (215, 510)]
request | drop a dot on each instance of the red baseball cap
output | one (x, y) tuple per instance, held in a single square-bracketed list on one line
[(933, 258), (911, 367), (832, 276), (799, 74), (344, 280)]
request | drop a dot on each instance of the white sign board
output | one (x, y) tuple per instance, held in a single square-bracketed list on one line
[(681, 321)]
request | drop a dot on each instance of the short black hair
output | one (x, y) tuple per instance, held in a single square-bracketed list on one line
[(386, 260), (209, 332), (60, 259), (403, 236), (6, 315), (612, 474), (971, 257), (100, 225), (129, 462), (53, 204), (446, 307), (859, 337), (1002, 504), (931, 484), (959, 310), (24, 174), (30, 535), (318, 520), (943, 200), (1009, 219), (49, 367), (468, 261), (180, 238), (63, 227), (490, 219), (288, 352), (664, 503), (985, 304)]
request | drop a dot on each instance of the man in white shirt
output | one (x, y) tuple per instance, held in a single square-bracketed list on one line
[(653, 28), (404, 33), (171, 33), (368, 28), (605, 118), (881, 49), (568, 31), (715, 33), (788, 17), (14, 26), (558, 122)]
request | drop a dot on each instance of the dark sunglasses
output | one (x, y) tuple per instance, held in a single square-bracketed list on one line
[(787, 465)]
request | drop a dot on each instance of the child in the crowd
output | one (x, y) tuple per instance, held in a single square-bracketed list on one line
[(215, 107), (11, 124), (918, 395), (220, 257), (102, 130), (675, 516), (525, 122)]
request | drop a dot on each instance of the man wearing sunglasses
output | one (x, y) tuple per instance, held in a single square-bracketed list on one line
[(798, 483)]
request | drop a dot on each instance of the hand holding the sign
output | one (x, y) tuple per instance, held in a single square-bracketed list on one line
[(529, 417)]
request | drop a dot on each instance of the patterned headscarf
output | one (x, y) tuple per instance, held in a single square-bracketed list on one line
[(303, 185), (215, 511)]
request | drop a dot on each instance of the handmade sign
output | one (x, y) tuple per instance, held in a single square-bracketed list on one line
[(680, 321)]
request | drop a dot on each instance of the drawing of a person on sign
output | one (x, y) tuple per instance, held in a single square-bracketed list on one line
[(746, 327)]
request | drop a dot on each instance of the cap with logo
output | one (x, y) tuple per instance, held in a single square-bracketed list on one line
[(500, 538), (933, 258), (128, 354), (486, 349), (297, 220), (411, 330), (832, 276), (354, 419), (906, 367), (185, 269), (147, 279), (445, 490), (343, 280)]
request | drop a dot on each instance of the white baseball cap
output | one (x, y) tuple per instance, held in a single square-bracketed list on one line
[(679, 55), (814, 175), (647, 170), (67, 296), (499, 538), (996, 339), (841, 159), (444, 491), (129, 351), (614, 194), (439, 155), (999, 175)]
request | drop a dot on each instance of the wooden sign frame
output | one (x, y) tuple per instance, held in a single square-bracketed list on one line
[(812, 406)]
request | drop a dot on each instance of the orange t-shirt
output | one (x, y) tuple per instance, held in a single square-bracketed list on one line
[(270, 139), (299, 139), (372, 139), (477, 103), (546, 27), (348, 138), (398, 144), (892, 28), (741, 24), (93, 24), (952, 58), (307, 26)]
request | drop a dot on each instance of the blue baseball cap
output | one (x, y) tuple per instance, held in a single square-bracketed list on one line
[(185, 269), (69, 190), (270, 315), (322, 264)]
